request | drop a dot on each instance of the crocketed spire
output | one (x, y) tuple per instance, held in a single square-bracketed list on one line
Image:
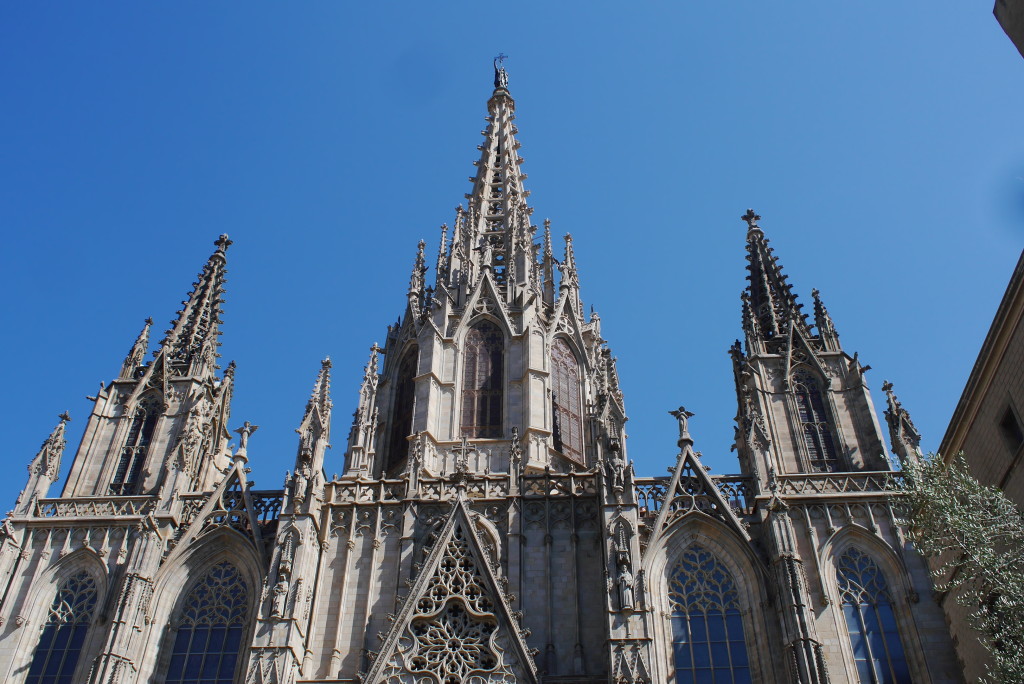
[(769, 304), (137, 354), (192, 340), (493, 233)]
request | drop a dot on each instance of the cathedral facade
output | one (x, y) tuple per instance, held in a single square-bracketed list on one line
[(488, 525)]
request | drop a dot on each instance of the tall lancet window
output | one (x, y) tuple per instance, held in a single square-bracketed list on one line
[(817, 432), (208, 634), (63, 635), (708, 644), (483, 381), (402, 408), (133, 453), (870, 621), (565, 401)]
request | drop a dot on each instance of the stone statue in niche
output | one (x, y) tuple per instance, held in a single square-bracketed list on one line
[(280, 599), (616, 466), (301, 482), (624, 581)]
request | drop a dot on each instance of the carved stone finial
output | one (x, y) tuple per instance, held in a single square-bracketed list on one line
[(65, 417), (223, 242), (751, 218)]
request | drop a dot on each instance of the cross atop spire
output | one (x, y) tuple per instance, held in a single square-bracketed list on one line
[(751, 218)]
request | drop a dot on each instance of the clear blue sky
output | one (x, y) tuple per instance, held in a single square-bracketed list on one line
[(881, 142)]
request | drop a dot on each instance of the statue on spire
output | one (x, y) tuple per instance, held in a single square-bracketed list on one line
[(500, 75)]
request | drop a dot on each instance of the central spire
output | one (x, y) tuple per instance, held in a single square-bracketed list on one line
[(494, 233)]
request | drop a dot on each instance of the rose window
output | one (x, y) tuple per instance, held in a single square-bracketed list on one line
[(453, 644)]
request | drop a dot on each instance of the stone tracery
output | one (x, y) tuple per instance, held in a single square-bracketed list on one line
[(455, 635)]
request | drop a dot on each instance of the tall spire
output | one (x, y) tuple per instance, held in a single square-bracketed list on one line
[(138, 352), (314, 438), (416, 280), (44, 469), (772, 304), (320, 400), (494, 233), (47, 461), (823, 322), (903, 436), (362, 435), (192, 340), (548, 265)]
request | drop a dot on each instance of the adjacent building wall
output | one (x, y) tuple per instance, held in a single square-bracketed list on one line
[(988, 427)]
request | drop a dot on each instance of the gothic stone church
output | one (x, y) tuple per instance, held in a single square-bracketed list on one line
[(489, 526)]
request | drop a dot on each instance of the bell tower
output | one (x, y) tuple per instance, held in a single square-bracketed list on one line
[(804, 406), (494, 366)]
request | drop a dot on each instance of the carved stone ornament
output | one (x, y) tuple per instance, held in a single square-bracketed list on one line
[(455, 627)]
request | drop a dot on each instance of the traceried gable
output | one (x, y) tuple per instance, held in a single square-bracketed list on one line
[(455, 626)]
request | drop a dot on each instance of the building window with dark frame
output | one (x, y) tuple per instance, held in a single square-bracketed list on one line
[(870, 620), (483, 381), (1010, 429), (209, 632), (566, 409), (136, 447), (402, 409), (822, 455), (708, 643), (63, 634)]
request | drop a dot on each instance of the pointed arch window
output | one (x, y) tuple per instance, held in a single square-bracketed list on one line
[(133, 453), (708, 643), (483, 381), (814, 424), (402, 408), (63, 635), (208, 634), (870, 621), (567, 423)]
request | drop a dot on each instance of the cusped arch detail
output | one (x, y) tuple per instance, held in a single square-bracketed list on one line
[(748, 575), (900, 589), (892, 565), (482, 371), (40, 599), (179, 577)]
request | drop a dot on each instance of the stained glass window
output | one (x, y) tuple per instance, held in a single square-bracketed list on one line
[(870, 621), (67, 623), (707, 629), (208, 634), (483, 381), (565, 401), (133, 453), (401, 413), (817, 432)]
